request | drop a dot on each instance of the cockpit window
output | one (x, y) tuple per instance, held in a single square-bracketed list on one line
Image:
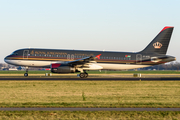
[(14, 53)]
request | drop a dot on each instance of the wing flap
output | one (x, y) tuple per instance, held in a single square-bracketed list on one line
[(85, 60)]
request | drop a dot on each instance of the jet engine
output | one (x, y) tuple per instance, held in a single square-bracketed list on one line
[(62, 68)]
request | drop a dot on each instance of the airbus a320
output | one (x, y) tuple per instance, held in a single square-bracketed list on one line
[(72, 61)]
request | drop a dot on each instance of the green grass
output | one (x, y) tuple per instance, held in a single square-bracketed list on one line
[(82, 115), (22, 72), (97, 72), (89, 93)]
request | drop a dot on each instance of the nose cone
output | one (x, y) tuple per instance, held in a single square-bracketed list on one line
[(6, 59)]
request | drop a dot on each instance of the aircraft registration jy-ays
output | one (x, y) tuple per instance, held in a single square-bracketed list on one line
[(71, 61)]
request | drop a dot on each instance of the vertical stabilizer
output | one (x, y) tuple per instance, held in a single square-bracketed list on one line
[(160, 43)]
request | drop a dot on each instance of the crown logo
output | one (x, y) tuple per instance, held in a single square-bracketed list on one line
[(157, 45)]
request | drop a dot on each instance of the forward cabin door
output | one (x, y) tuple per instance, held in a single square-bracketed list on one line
[(138, 59), (25, 54)]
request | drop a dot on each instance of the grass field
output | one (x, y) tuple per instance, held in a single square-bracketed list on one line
[(89, 93), (97, 72), (82, 115)]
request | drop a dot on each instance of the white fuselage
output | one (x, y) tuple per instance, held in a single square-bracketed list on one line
[(30, 63)]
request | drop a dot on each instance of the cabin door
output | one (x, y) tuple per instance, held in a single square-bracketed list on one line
[(25, 54), (72, 56), (68, 57), (138, 59)]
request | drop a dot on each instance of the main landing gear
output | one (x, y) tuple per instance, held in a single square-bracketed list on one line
[(83, 75), (26, 74)]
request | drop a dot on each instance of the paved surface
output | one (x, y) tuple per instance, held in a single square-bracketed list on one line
[(95, 79), (89, 109)]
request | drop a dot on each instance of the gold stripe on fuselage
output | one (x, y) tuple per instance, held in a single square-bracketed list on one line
[(98, 61), (56, 59)]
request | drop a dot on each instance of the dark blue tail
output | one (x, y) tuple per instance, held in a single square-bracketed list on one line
[(160, 43)]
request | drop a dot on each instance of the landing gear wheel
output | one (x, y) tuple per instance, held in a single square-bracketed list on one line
[(25, 74), (85, 75), (82, 75)]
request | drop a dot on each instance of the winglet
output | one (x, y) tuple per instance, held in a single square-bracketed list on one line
[(98, 56)]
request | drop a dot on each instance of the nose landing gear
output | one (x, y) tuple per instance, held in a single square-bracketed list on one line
[(26, 74)]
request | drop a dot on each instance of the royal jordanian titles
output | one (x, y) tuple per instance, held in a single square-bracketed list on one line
[(71, 61)]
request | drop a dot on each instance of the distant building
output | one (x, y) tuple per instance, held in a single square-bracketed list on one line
[(13, 69)]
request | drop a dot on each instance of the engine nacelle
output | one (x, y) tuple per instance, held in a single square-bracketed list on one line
[(62, 68)]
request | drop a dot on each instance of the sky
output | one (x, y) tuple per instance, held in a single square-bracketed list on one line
[(110, 25)]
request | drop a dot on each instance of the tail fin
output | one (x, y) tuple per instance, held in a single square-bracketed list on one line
[(160, 43)]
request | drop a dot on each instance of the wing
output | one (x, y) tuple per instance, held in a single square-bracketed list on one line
[(87, 63), (85, 60), (82, 61)]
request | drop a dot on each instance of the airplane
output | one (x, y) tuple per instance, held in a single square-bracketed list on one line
[(72, 61)]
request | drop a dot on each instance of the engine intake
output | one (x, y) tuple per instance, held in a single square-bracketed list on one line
[(62, 68)]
